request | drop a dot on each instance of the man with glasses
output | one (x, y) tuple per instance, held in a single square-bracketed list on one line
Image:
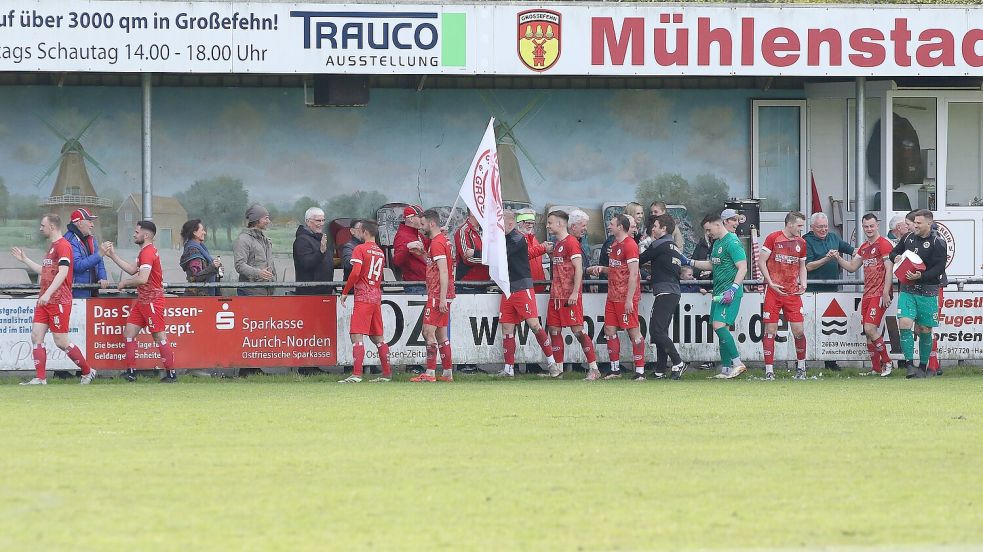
[(313, 255), (822, 249)]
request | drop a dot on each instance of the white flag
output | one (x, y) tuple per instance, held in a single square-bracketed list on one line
[(482, 193)]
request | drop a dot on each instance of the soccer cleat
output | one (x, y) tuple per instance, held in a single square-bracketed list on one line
[(736, 371), (424, 378), (613, 375), (128, 376), (351, 379), (35, 381), (769, 376), (556, 371), (593, 375), (638, 377), (503, 373), (448, 379), (168, 379), (912, 372), (87, 378), (675, 374), (800, 374), (380, 379), (658, 375), (886, 370)]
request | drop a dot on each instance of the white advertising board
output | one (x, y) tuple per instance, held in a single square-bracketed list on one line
[(16, 316), (486, 39)]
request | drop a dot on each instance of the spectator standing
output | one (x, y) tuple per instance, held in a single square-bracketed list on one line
[(526, 223), (313, 255), (409, 250), (253, 252), (578, 229), (658, 208), (467, 245), (88, 265), (197, 263), (357, 239), (822, 247)]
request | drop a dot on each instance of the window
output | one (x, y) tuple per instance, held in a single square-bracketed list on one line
[(777, 160), (964, 160)]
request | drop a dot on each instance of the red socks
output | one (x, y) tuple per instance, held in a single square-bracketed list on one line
[(875, 357), (768, 344), (544, 342), (131, 354), (445, 356), (166, 355), (431, 356), (588, 345), (557, 341), (508, 343), (76, 356), (800, 347), (638, 352), (358, 358), (614, 347), (387, 369), (40, 361)]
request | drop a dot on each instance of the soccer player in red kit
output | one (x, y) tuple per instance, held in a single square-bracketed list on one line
[(874, 257), (440, 292), (783, 268), (520, 305), (566, 303), (54, 307), (624, 293), (366, 277), (147, 310)]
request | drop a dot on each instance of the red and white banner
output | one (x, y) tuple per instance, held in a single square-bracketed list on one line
[(221, 332), (482, 193)]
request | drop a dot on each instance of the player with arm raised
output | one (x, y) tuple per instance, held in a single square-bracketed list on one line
[(874, 257), (54, 307), (366, 277), (147, 310)]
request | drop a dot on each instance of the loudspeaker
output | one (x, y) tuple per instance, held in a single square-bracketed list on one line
[(338, 90)]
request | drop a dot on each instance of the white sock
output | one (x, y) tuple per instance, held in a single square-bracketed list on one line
[(593, 366), (769, 369), (431, 372), (615, 365), (639, 370), (736, 361), (508, 369), (447, 373), (800, 365)]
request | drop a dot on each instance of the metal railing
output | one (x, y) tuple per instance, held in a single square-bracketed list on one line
[(488, 286), (69, 199)]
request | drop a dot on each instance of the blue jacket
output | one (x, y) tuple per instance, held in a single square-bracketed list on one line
[(89, 267)]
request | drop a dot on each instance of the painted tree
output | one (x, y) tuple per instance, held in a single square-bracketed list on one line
[(218, 202), (360, 204)]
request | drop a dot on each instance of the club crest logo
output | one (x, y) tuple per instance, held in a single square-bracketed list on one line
[(538, 38), (950, 242)]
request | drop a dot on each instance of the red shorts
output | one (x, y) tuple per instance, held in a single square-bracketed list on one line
[(366, 319), (518, 307), (54, 315), (561, 315), (614, 315), (791, 305), (432, 315), (872, 310), (147, 315)]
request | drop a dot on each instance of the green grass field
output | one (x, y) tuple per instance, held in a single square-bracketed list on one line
[(290, 463)]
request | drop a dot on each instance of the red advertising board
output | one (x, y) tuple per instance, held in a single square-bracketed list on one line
[(221, 332)]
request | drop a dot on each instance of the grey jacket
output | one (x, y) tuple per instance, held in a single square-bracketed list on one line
[(253, 252)]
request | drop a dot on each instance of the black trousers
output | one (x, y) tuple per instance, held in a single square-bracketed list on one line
[(663, 309)]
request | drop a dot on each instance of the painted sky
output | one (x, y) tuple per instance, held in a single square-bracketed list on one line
[(411, 146)]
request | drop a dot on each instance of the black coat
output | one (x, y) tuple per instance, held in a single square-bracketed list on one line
[(310, 265)]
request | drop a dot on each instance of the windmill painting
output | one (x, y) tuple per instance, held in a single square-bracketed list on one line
[(73, 188)]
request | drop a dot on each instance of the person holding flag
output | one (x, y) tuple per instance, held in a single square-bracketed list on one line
[(366, 277)]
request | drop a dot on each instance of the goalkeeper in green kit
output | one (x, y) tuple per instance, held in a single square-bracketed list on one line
[(729, 265)]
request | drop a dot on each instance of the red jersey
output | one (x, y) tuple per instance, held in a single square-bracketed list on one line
[(154, 288), (371, 261), (785, 260), (439, 251), (59, 251), (565, 253), (873, 255), (620, 256)]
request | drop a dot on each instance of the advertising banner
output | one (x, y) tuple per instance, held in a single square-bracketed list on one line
[(221, 332), (485, 39), (16, 317)]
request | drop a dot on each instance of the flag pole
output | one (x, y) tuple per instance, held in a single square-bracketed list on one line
[(450, 215)]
